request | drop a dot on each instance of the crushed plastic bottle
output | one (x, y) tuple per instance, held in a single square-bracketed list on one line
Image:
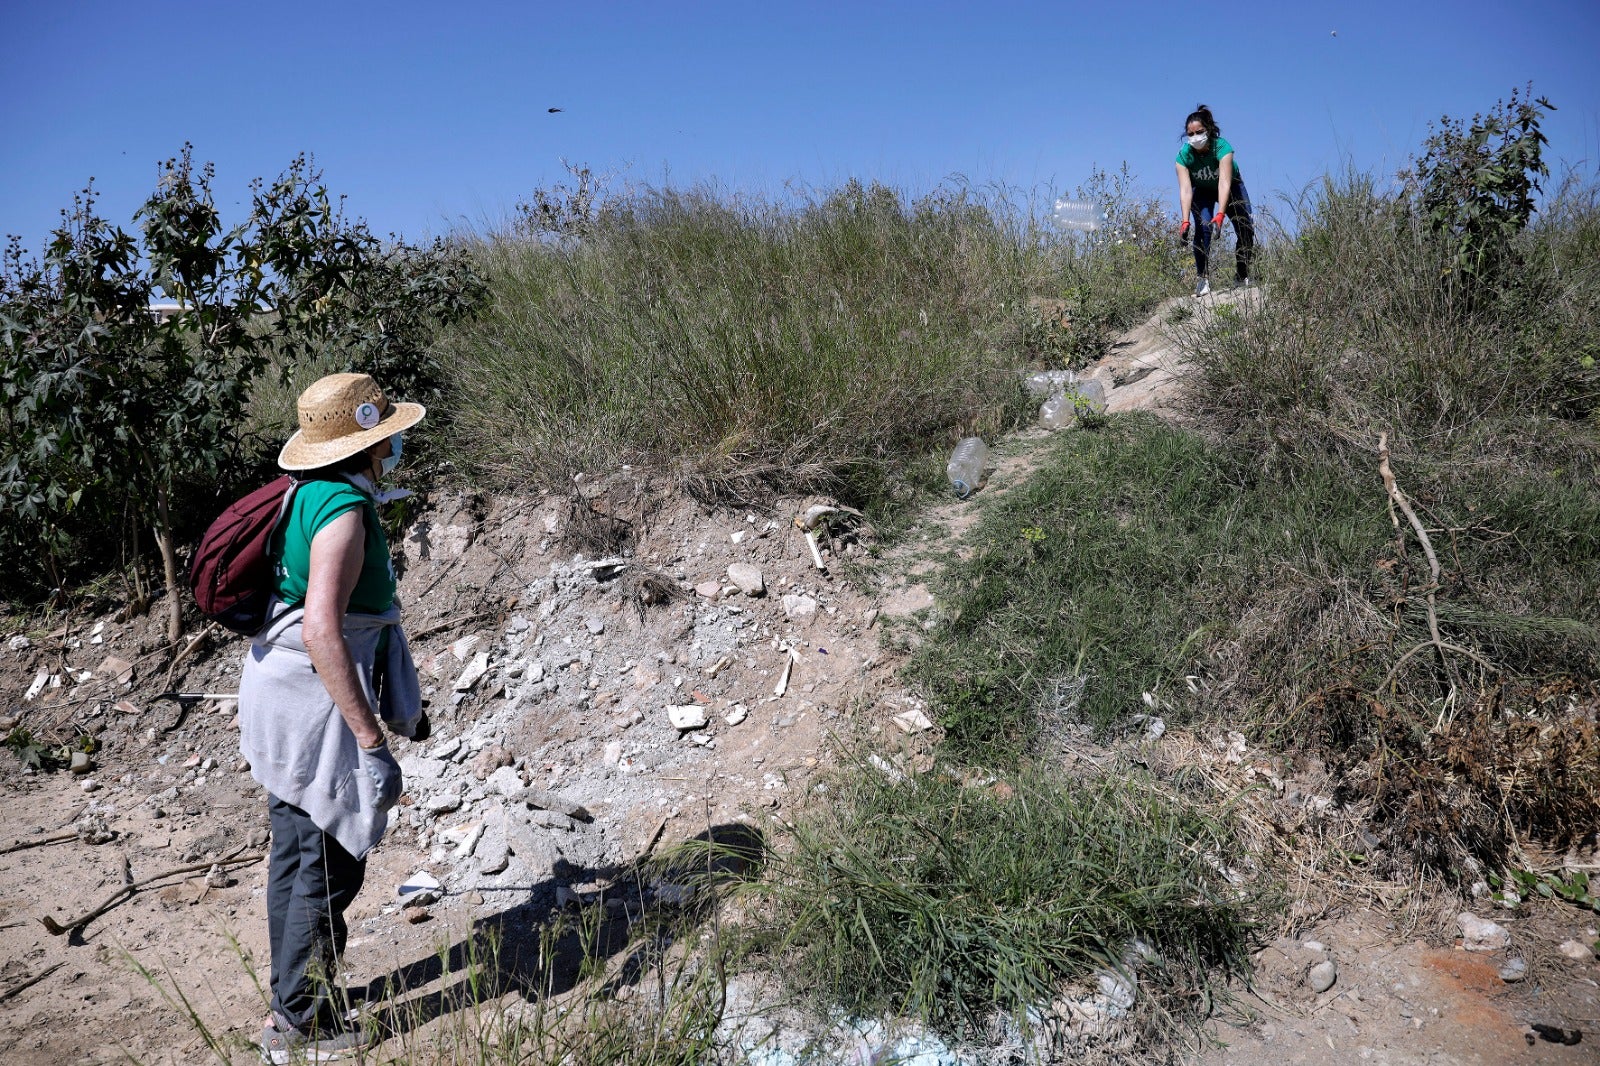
[(1048, 382), (1058, 412), (1079, 215), (965, 468)]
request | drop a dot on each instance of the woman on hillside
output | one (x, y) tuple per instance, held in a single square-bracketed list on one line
[(1210, 188), (330, 664)]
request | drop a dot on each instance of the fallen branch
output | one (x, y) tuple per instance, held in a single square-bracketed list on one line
[(56, 928), (449, 623), (24, 845), (1400, 501), (30, 982), (187, 651)]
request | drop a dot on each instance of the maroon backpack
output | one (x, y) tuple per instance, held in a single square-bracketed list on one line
[(231, 573)]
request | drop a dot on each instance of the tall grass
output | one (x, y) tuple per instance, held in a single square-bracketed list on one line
[(723, 340), (949, 896)]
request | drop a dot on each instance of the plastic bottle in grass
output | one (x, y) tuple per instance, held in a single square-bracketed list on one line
[(1058, 412), (1079, 215), (965, 468), (1094, 395)]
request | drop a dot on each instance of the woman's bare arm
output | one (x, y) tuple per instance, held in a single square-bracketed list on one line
[(337, 553)]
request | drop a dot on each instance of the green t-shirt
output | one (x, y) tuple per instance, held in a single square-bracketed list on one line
[(1205, 167), (316, 503)]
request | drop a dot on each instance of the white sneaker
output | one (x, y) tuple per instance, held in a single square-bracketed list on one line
[(1201, 288), (1244, 283)]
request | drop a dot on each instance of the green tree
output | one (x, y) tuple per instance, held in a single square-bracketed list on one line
[(112, 409)]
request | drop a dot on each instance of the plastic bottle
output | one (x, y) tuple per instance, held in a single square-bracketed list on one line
[(1048, 382), (1093, 393), (1058, 412), (965, 468), (1079, 215)]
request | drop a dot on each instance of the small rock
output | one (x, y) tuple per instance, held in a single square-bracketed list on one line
[(474, 897), (418, 914), (1576, 949), (445, 749), (1314, 945), (1514, 970), (594, 625), (737, 536), (1322, 976), (737, 715), (503, 780), (612, 753), (912, 722), (89, 784), (797, 605), (93, 829), (518, 624), (686, 716), (19, 643), (709, 589), (216, 877), (748, 578), (1480, 934), (118, 670), (494, 847), (464, 648), (80, 762), (490, 761), (473, 673), (442, 803), (419, 890)]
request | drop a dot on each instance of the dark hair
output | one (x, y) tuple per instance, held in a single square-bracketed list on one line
[(1202, 115)]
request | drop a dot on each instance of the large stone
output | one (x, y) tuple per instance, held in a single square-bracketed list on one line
[(489, 761), (748, 578), (1480, 934), (1577, 950), (535, 849), (1322, 976)]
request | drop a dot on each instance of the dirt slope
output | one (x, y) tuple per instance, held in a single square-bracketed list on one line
[(558, 764)]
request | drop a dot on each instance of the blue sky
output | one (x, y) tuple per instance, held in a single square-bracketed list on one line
[(428, 115)]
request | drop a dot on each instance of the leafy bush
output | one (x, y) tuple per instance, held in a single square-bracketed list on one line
[(118, 419)]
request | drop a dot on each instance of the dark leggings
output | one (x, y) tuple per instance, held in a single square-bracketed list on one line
[(1244, 227)]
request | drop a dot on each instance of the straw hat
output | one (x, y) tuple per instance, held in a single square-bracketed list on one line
[(340, 415)]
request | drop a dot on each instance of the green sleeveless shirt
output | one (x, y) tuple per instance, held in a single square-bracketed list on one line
[(316, 503)]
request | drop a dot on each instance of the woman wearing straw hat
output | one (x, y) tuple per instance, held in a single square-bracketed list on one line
[(320, 681)]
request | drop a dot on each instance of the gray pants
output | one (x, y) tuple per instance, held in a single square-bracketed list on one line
[(311, 880)]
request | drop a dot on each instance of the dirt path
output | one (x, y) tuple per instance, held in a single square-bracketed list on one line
[(580, 659)]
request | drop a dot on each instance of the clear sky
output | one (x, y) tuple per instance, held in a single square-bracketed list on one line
[(430, 115)]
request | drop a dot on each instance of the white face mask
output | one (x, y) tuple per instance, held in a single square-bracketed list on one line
[(387, 464), (1198, 141)]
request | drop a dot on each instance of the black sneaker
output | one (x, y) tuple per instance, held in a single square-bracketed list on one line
[(280, 1047)]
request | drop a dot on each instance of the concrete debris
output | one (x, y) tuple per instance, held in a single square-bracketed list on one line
[(913, 721), (737, 714), (550, 801), (445, 749), (1480, 934), (799, 606), (466, 647), (748, 578), (503, 781), (473, 673), (686, 716), (419, 893), (493, 851), (80, 763), (442, 803)]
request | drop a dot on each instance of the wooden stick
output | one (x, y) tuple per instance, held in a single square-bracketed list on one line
[(24, 845), (30, 982), (56, 928), (1401, 502)]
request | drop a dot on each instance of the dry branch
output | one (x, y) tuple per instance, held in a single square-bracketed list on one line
[(24, 845), (56, 928)]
